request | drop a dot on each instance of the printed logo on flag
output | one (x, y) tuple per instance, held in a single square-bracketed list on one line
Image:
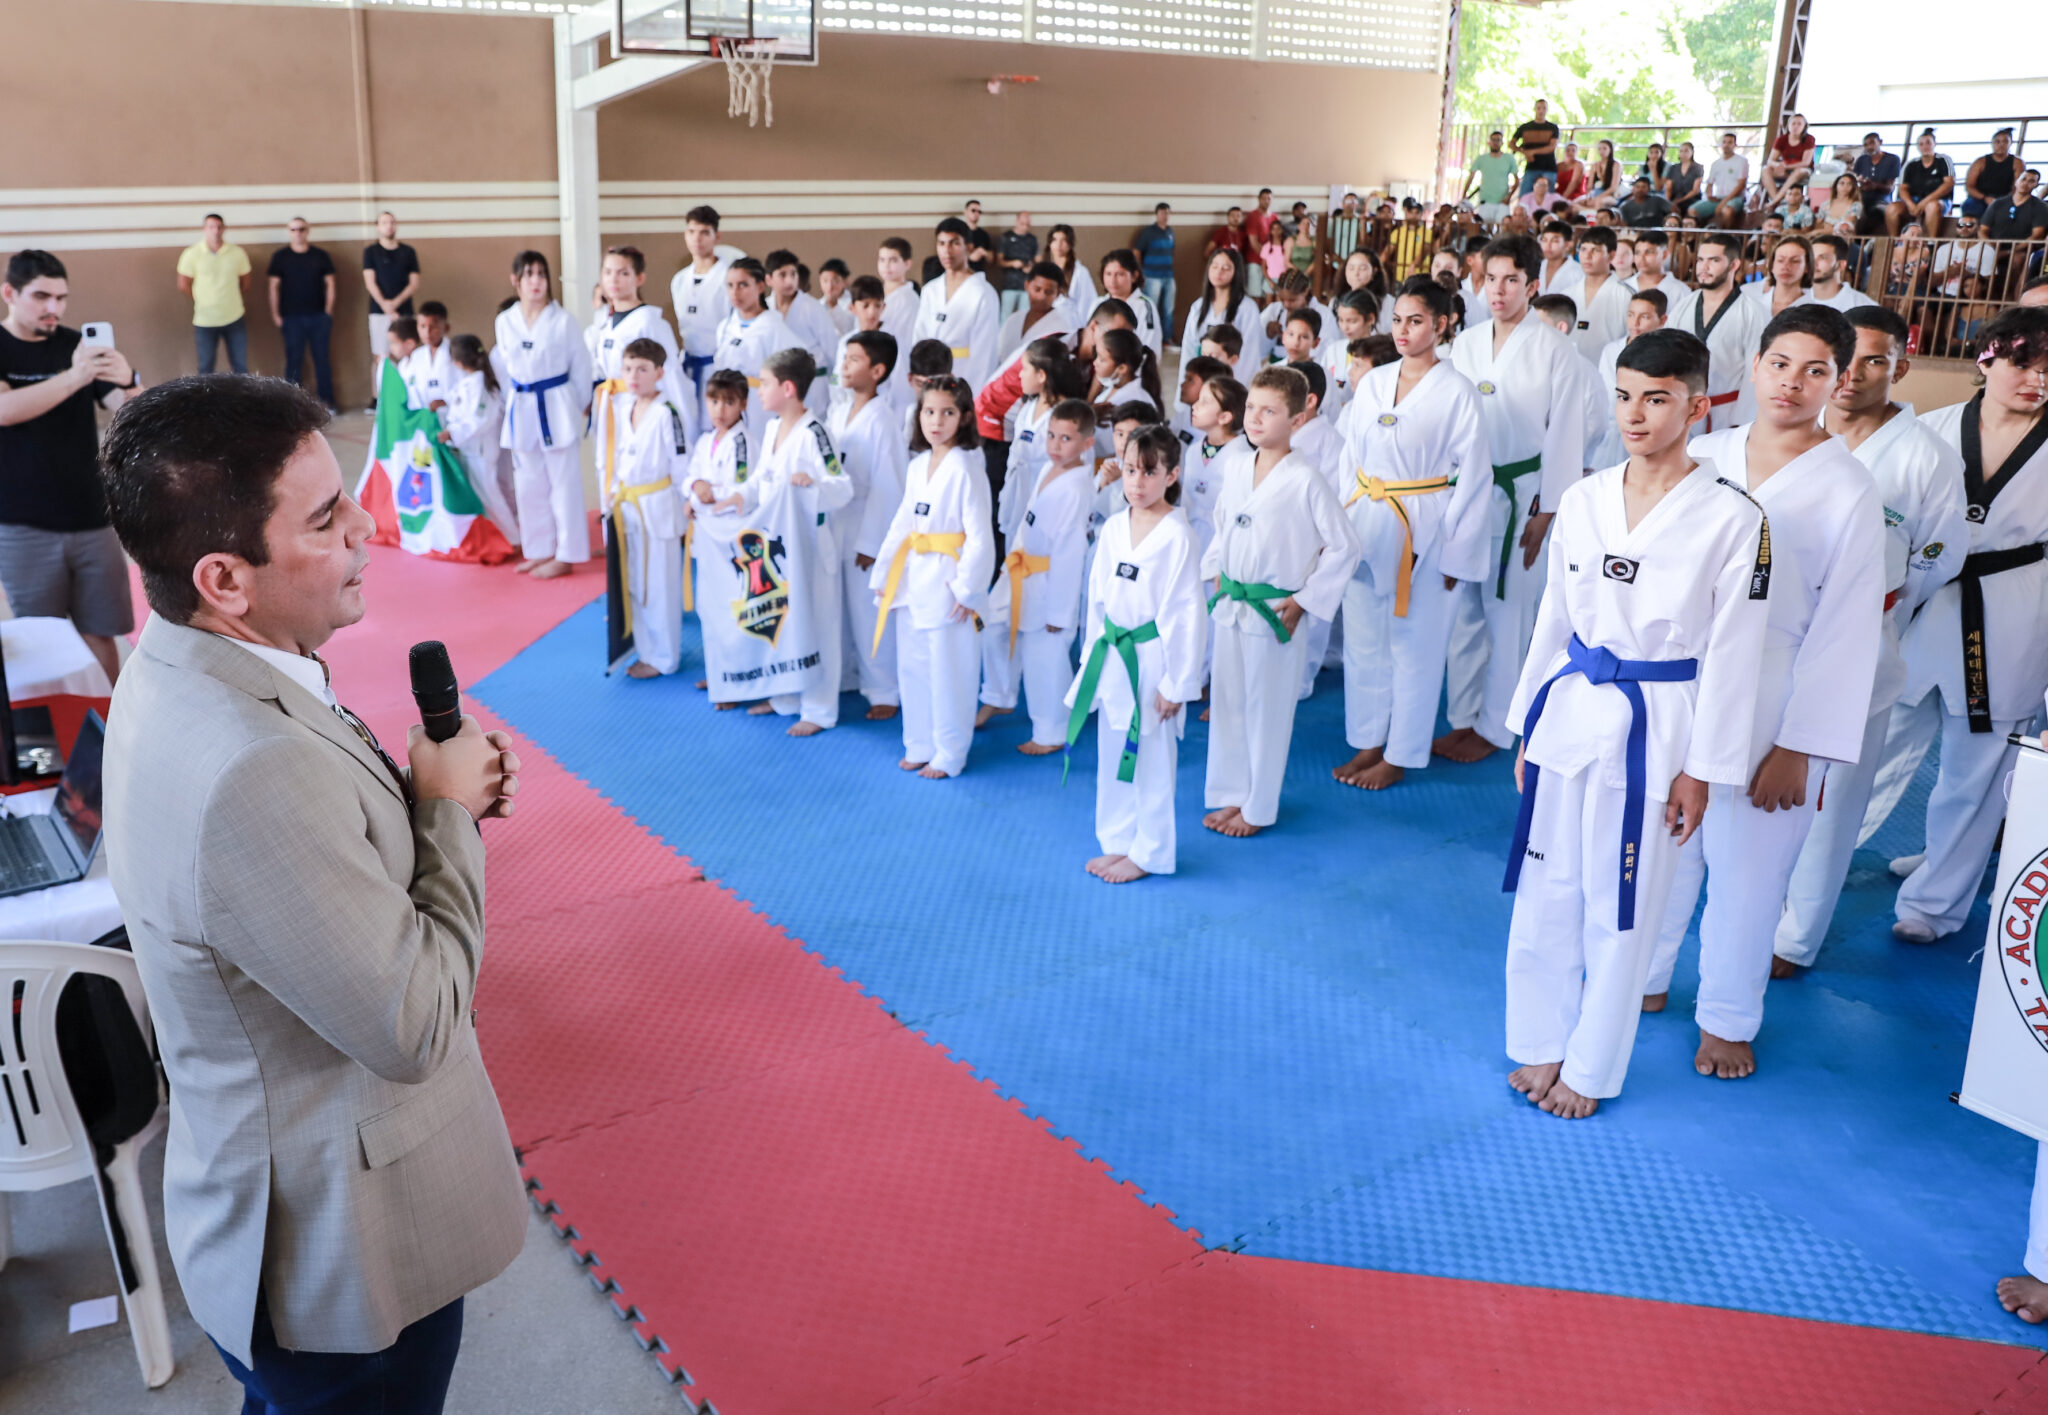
[(416, 488), (2018, 916), (764, 604)]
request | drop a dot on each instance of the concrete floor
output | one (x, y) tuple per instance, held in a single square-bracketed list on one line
[(537, 1341)]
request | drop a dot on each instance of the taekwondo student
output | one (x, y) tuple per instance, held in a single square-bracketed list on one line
[(698, 296), (544, 366), (869, 435), (1418, 493), (719, 464), (1531, 398), (1920, 482), (1637, 694), (1716, 313), (644, 501), (1121, 280), (959, 309), (1813, 693), (623, 318), (751, 333), (1601, 298), (1223, 301), (2001, 598), (808, 320)]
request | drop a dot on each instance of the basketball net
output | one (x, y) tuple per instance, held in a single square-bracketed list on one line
[(748, 65)]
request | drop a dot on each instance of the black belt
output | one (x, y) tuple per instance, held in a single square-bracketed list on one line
[(1976, 681)]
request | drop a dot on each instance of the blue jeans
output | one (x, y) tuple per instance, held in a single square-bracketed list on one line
[(408, 1377), (1014, 300), (1529, 176), (1159, 290), (206, 340), (304, 333)]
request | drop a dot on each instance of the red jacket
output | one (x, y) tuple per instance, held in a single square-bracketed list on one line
[(997, 397)]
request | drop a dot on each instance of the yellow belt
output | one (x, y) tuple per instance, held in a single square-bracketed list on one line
[(621, 498), (924, 543), (1021, 567), (961, 351), (1391, 492), (605, 391)]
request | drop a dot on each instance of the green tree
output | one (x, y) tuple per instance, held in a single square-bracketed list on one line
[(1731, 52)]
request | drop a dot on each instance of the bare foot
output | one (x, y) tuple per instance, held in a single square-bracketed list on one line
[(1205, 715), (551, 570), (1535, 1081), (988, 711), (1654, 1002), (881, 712), (932, 773), (725, 707), (526, 567), (1231, 822), (2025, 1297), (804, 729), (1462, 745), (1567, 1104), (702, 684), (1371, 756), (1785, 968), (1039, 749), (1121, 871), (760, 709), (1101, 862), (1217, 817), (1730, 1061), (1377, 777), (908, 765), (643, 670)]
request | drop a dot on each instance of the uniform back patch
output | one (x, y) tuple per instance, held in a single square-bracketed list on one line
[(1620, 567)]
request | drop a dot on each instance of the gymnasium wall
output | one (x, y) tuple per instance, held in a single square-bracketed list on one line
[(150, 114)]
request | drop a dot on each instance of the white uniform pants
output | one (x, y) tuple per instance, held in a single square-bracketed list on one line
[(548, 484), (1575, 981), (2037, 1219), (874, 670), (1749, 852), (819, 703), (1817, 879), (657, 593), (1044, 666), (1484, 668), (1911, 731), (1253, 689), (1315, 633), (1394, 667), (1964, 812), (1135, 818), (936, 670)]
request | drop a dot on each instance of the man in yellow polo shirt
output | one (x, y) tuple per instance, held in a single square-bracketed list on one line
[(215, 273)]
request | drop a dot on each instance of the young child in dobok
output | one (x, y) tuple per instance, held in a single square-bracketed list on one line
[(1035, 606), (797, 452), (866, 431), (934, 565), (545, 366), (1147, 629), (645, 505), (1417, 494), (718, 470), (1283, 547), (1637, 695)]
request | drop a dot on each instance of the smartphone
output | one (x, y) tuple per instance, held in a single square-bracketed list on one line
[(97, 334)]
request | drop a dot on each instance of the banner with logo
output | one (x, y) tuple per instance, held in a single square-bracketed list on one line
[(417, 489), (775, 646), (2006, 1076)]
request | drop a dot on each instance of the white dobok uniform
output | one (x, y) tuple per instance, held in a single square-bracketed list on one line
[(429, 375), (1012, 336), (808, 449), (645, 500), (938, 660), (1151, 330), (1920, 481), (811, 323), (967, 322), (744, 345), (1603, 319), (1826, 528), (701, 305), (1249, 322), (475, 418), (1320, 442), (722, 460), (544, 370), (1731, 338), (608, 336), (1688, 582), (874, 455), (1042, 573)]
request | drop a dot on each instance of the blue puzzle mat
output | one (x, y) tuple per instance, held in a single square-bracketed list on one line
[(1295, 1043)]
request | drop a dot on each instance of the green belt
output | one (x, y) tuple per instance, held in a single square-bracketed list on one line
[(1125, 642), (1255, 596), (1504, 478)]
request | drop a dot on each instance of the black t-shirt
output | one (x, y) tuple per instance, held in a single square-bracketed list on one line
[(980, 240), (302, 280), (50, 466), (1540, 162), (1015, 247), (394, 267), (1921, 180), (2010, 220)]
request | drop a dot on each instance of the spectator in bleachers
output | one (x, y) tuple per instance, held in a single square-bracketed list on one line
[(1794, 147), (1925, 186), (1643, 206), (1154, 245), (1540, 200), (1681, 186), (1347, 230), (1993, 176), (1603, 179), (1491, 185), (2021, 216), (1877, 174), (1726, 187), (1798, 216), (1571, 174), (1408, 249), (1655, 167), (1772, 185), (1843, 213), (1962, 270), (1536, 141), (1832, 272)]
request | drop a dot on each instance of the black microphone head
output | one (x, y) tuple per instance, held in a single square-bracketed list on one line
[(433, 677)]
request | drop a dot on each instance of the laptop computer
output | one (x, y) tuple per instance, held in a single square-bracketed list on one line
[(56, 848)]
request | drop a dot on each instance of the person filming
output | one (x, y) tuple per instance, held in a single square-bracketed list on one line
[(307, 918)]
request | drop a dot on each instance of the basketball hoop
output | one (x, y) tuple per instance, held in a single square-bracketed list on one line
[(749, 64)]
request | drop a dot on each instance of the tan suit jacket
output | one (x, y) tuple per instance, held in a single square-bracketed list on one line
[(310, 946)]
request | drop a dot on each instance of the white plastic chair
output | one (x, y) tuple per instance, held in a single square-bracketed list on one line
[(43, 1139)]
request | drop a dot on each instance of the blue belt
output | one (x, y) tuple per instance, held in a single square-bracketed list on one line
[(539, 390), (694, 365), (1601, 666)]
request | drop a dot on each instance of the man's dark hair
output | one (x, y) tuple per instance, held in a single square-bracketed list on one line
[(1730, 241), (835, 266), (1834, 243), (433, 309), (1602, 236), (792, 366), (1556, 306), (1653, 237), (953, 226), (191, 469), (1667, 353), (1111, 306), (1522, 250), (779, 260), (1887, 322), (880, 347), (727, 383), (25, 267), (1318, 381), (1077, 413), (1555, 227), (703, 216), (1868, 136), (896, 244), (1227, 337), (213, 216), (528, 260), (1818, 321), (930, 357), (1655, 299), (1046, 270), (865, 287), (1134, 410), (1312, 318), (1203, 367)]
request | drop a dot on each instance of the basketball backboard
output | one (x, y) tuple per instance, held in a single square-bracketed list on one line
[(691, 26)]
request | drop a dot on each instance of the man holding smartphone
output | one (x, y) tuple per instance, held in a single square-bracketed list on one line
[(58, 553)]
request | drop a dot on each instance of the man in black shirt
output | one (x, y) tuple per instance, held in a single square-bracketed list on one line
[(981, 246), (1536, 140), (302, 305), (59, 557), (2021, 216), (1016, 252), (391, 273)]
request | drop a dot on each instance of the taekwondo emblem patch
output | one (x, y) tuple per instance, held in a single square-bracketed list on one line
[(1388, 420), (1030, 518), (764, 605), (2019, 916), (1244, 519), (416, 488), (1620, 567), (1125, 570), (1976, 514), (1932, 550), (1486, 386), (923, 508)]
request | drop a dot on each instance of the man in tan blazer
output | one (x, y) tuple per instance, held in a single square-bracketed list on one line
[(308, 921)]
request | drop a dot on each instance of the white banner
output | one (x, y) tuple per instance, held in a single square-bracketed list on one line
[(764, 596), (2006, 1076)]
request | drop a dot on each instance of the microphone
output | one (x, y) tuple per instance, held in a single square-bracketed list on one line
[(435, 690)]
